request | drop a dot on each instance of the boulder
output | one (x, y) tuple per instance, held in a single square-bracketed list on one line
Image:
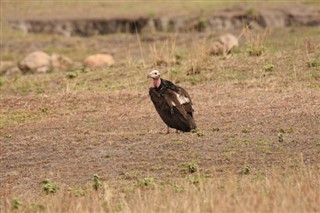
[(98, 61), (224, 44), (5, 66), (36, 62), (13, 71), (60, 62)]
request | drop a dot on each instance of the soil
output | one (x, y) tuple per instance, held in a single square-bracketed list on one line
[(121, 137), (236, 17)]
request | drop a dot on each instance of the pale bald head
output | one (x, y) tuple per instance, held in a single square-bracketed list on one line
[(154, 74)]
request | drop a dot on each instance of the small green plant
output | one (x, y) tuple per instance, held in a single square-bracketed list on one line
[(216, 129), (198, 132), (178, 142), (43, 109), (281, 137), (79, 192), (96, 182), (49, 187), (313, 63), (197, 178), (245, 130), (108, 155), (268, 67), (146, 181), (192, 167), (177, 188), (7, 135), (71, 75), (203, 22), (16, 203), (255, 50), (119, 207), (35, 208), (194, 179), (245, 170), (1, 81)]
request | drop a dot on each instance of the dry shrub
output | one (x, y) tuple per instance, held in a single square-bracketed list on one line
[(199, 55), (312, 50), (165, 53), (293, 188), (255, 41)]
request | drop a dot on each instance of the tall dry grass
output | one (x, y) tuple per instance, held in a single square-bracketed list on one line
[(288, 189)]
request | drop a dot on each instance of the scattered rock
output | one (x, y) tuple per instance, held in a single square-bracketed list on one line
[(60, 62), (13, 71), (98, 60), (224, 44), (217, 48), (36, 62), (5, 66)]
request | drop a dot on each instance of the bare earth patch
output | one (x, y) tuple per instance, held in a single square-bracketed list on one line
[(120, 136)]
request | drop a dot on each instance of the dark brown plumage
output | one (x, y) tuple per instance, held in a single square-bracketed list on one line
[(172, 103)]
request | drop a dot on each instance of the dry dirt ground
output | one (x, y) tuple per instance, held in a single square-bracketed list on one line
[(120, 137)]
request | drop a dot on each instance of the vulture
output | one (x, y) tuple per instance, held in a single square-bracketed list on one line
[(172, 103)]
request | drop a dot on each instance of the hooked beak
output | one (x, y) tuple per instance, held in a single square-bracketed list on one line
[(149, 76)]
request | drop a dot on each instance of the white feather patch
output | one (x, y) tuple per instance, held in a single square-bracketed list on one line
[(173, 104), (182, 99)]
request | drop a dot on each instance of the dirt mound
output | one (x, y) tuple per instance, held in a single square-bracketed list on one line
[(231, 18)]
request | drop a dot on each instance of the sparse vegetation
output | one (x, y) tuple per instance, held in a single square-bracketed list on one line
[(245, 130), (245, 170), (192, 167), (96, 182), (16, 203), (269, 67), (146, 181), (258, 146), (255, 42), (280, 137), (216, 129), (314, 63), (49, 187)]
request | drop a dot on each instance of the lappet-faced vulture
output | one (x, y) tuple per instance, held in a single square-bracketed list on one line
[(172, 102)]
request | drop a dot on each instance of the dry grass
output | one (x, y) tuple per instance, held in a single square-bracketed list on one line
[(285, 189)]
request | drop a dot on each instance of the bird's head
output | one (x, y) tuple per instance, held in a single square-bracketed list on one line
[(154, 74), (156, 80)]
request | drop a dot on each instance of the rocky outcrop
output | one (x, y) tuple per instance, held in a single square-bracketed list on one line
[(231, 18)]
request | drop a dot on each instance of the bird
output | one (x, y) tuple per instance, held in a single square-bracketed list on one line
[(172, 103)]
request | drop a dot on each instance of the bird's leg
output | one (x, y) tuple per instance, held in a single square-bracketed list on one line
[(168, 130)]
